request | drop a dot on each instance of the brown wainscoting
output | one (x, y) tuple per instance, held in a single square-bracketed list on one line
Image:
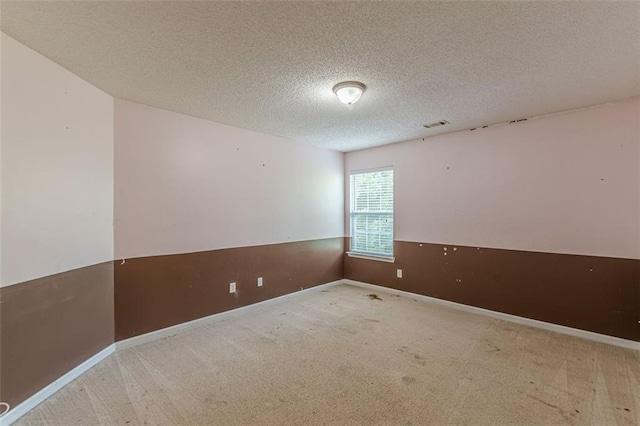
[(156, 292), (51, 325), (599, 294)]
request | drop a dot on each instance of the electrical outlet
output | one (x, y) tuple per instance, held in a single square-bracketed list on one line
[(232, 287), (259, 281), (399, 273)]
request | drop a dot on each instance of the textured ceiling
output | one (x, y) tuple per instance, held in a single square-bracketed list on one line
[(270, 66)]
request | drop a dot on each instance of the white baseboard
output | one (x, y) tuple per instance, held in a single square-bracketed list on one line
[(169, 331), (24, 407), (589, 335)]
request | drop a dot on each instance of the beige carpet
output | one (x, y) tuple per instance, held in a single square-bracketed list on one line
[(339, 357)]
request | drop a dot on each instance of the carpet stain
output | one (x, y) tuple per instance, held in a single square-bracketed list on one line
[(560, 410), (497, 349), (419, 359), (408, 380), (373, 296)]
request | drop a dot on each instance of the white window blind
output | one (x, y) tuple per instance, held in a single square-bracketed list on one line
[(372, 212)]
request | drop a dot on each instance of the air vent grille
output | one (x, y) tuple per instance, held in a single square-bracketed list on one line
[(436, 124)]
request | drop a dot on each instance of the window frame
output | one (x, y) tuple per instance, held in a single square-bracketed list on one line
[(369, 255)]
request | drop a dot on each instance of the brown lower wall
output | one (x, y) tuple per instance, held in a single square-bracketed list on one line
[(51, 325), (598, 294), (155, 292)]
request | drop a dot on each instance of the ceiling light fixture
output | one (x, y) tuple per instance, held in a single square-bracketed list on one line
[(349, 92)]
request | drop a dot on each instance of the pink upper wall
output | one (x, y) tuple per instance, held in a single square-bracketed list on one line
[(184, 184), (57, 168), (567, 183)]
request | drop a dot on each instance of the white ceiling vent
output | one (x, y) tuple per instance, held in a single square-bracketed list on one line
[(436, 124)]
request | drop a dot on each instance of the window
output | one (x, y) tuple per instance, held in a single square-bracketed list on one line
[(371, 210)]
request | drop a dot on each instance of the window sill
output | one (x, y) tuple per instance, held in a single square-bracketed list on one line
[(371, 257)]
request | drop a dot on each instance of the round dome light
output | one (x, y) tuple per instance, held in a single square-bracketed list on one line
[(349, 92)]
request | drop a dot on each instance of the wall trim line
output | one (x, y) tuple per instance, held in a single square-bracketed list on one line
[(122, 259), (66, 271), (178, 328), (589, 335), (43, 394)]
